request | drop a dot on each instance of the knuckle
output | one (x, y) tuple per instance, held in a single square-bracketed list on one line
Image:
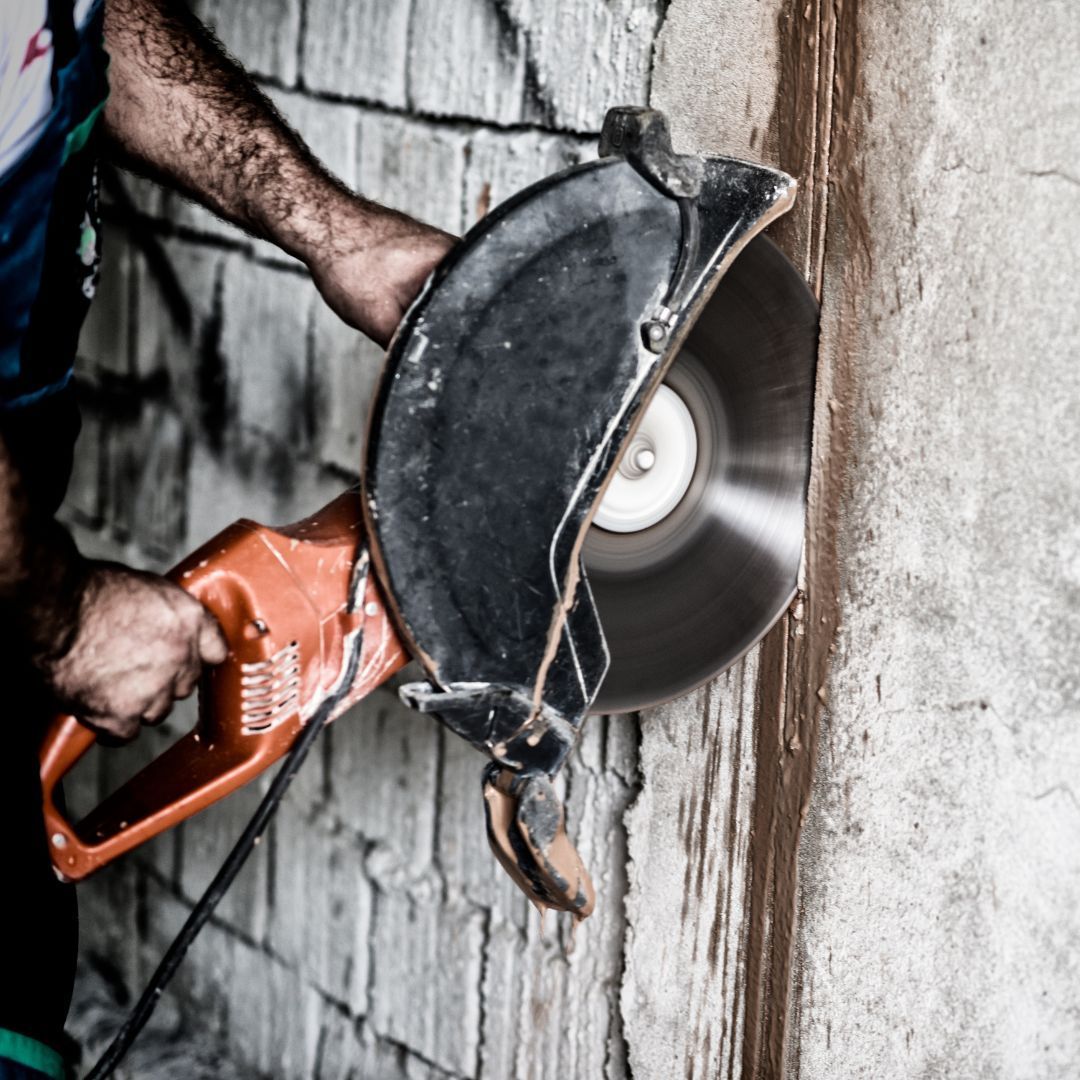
[(115, 728)]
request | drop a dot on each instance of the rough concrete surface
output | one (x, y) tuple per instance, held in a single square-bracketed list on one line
[(372, 937), (940, 929)]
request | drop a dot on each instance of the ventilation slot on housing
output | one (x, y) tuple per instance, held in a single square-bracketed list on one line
[(270, 689)]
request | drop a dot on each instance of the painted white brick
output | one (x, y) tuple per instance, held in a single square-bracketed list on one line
[(465, 857), (273, 1016), (466, 61), (357, 50), (107, 920), (559, 64), (268, 1016), (104, 343), (147, 481), (345, 368), (583, 58), (264, 342), (147, 196), (321, 916), (184, 287), (549, 1013), (190, 216), (84, 495), (196, 222), (501, 163), (261, 36), (122, 192), (427, 961), (254, 480), (413, 166), (208, 838), (383, 774), (204, 978), (99, 543), (329, 129), (164, 1049), (349, 1050), (220, 493)]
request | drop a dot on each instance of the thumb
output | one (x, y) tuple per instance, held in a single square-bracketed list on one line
[(213, 648)]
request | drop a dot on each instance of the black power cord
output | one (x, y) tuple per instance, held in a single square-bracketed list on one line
[(174, 955)]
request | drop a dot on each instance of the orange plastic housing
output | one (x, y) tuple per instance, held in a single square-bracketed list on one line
[(284, 600)]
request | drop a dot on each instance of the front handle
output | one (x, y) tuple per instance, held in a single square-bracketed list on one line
[(66, 741), (224, 751)]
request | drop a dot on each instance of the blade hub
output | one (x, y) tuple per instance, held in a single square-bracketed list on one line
[(656, 467)]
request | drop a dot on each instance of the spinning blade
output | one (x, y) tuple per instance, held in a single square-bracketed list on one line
[(683, 598)]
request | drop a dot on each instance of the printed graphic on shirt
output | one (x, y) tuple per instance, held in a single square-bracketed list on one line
[(26, 59), (89, 247)]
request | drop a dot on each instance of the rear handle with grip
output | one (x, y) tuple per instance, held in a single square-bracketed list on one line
[(284, 599), (180, 782)]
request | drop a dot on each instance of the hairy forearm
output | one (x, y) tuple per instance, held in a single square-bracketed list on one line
[(42, 576), (112, 645), (181, 110)]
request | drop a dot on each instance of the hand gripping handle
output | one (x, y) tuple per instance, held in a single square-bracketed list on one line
[(188, 776), (284, 599)]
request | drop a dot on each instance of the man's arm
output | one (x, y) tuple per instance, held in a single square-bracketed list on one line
[(183, 112), (41, 577), (114, 645)]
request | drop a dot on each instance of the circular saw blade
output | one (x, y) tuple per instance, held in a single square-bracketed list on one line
[(684, 599)]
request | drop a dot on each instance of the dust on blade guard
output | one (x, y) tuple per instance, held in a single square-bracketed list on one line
[(508, 393)]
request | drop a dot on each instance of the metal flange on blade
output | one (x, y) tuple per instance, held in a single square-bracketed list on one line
[(509, 393)]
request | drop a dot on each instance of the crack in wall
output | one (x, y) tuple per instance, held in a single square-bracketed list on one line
[(816, 122), (516, 40)]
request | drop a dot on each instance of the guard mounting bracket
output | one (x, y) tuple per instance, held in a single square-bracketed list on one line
[(641, 136)]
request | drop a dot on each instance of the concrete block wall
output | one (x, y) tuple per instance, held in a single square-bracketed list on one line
[(372, 935)]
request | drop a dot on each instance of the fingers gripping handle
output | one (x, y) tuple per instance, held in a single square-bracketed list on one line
[(286, 602), (169, 789), (228, 576)]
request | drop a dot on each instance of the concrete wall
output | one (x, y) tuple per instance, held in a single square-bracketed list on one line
[(941, 930), (926, 922)]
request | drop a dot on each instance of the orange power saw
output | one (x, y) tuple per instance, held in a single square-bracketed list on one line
[(583, 490)]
